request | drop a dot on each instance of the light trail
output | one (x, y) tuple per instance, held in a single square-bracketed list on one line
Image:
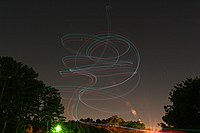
[(108, 60)]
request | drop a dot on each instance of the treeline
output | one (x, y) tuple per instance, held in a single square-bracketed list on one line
[(26, 103), (113, 124), (117, 121), (184, 110), (77, 127)]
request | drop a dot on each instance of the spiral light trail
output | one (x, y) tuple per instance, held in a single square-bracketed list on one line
[(108, 60)]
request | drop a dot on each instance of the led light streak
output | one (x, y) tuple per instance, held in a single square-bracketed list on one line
[(108, 60)]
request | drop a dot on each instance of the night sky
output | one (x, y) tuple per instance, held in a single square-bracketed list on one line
[(166, 34)]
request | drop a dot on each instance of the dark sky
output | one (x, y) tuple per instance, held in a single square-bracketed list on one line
[(166, 34)]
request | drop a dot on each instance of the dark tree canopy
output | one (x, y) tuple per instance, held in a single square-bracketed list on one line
[(116, 121), (184, 113), (25, 100)]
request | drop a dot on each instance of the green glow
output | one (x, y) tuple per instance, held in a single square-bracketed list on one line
[(57, 129)]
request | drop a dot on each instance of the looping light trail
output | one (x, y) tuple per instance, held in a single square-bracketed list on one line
[(107, 61)]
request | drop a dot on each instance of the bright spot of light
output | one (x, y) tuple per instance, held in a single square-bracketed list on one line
[(133, 112), (58, 128)]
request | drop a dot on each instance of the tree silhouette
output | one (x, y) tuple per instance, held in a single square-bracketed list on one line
[(185, 109), (24, 98), (114, 120)]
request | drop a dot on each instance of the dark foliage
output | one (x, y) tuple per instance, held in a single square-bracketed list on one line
[(25, 100), (77, 127), (116, 121), (184, 113)]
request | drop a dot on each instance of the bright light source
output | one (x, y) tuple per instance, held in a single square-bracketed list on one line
[(58, 128), (134, 113)]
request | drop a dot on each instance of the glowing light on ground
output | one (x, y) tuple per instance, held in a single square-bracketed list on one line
[(56, 129)]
